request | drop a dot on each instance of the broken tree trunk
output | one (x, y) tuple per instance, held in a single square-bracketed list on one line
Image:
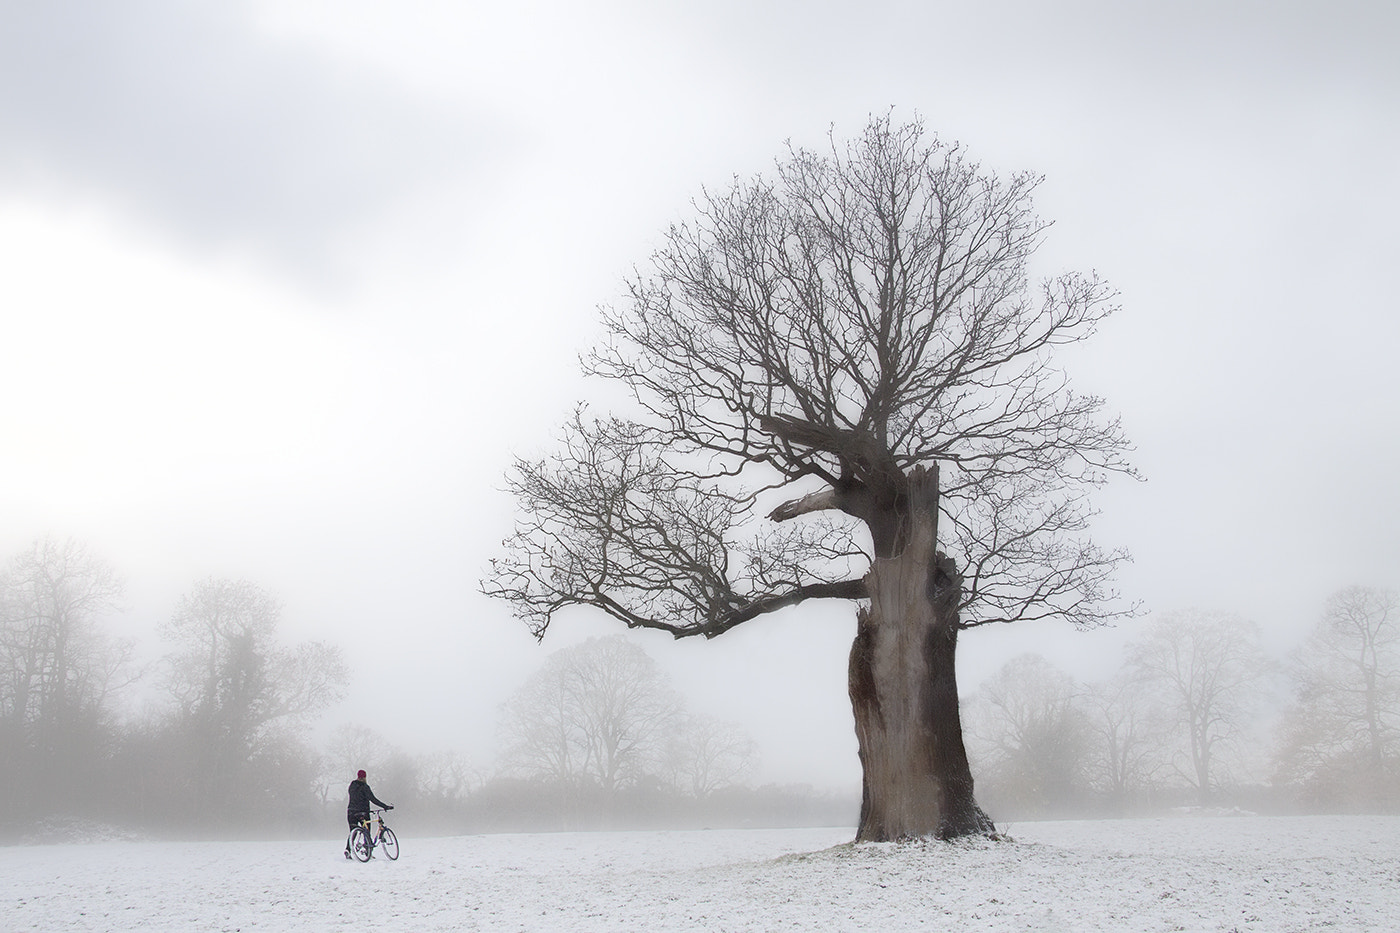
[(903, 686)]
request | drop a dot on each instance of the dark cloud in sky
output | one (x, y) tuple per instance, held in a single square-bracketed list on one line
[(1167, 68), (185, 114), (1294, 42)]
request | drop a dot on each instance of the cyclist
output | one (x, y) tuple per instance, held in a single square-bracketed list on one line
[(360, 799)]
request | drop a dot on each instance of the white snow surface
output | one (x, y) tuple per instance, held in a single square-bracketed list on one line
[(1176, 874)]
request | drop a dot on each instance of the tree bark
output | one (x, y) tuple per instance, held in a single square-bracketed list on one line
[(903, 686)]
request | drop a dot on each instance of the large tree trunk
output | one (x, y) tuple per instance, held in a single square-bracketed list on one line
[(1200, 757), (903, 687)]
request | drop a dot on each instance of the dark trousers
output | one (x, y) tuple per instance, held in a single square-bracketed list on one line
[(353, 818)]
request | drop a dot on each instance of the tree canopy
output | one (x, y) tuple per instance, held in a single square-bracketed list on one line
[(804, 345)]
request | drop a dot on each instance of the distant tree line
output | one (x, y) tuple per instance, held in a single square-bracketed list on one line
[(1198, 716), (598, 738), (222, 747)]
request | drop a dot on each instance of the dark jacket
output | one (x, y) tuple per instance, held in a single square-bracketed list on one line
[(361, 797)]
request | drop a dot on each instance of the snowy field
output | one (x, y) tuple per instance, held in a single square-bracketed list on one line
[(1207, 874)]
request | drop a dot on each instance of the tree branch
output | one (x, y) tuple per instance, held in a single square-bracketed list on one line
[(816, 502)]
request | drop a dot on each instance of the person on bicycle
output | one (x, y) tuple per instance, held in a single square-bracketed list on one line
[(360, 799)]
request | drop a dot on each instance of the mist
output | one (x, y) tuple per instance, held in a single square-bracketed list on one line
[(285, 291)]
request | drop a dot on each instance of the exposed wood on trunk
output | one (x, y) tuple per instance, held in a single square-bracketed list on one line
[(816, 502)]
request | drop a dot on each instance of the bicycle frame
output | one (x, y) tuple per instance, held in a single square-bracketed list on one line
[(374, 827)]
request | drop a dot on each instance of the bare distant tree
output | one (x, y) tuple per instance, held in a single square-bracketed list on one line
[(598, 712), (858, 336), (58, 670), (705, 754), (1341, 738), (55, 661), (392, 772), (1207, 667), (447, 777), (235, 687), (1031, 733), (350, 748), (1125, 751), (538, 730)]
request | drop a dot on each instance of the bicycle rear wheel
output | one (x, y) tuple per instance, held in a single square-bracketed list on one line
[(359, 843), (389, 843)]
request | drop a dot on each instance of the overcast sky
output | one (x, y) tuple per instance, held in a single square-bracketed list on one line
[(284, 285)]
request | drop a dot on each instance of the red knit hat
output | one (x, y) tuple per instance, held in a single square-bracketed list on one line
[(361, 775)]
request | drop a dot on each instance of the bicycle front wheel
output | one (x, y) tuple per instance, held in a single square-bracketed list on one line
[(389, 843), (359, 843)]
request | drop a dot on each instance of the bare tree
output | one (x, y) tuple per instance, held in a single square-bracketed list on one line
[(58, 670), (538, 730), (706, 754), (447, 777), (352, 747), (858, 340), (1125, 751), (1207, 666), (55, 661), (596, 713), (1341, 738), (349, 748), (1031, 733), (237, 691)]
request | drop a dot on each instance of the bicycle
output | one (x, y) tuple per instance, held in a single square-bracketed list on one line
[(371, 833)]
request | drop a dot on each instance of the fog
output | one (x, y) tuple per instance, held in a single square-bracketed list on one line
[(285, 287)]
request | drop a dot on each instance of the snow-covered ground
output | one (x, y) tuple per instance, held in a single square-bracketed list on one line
[(1188, 873)]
